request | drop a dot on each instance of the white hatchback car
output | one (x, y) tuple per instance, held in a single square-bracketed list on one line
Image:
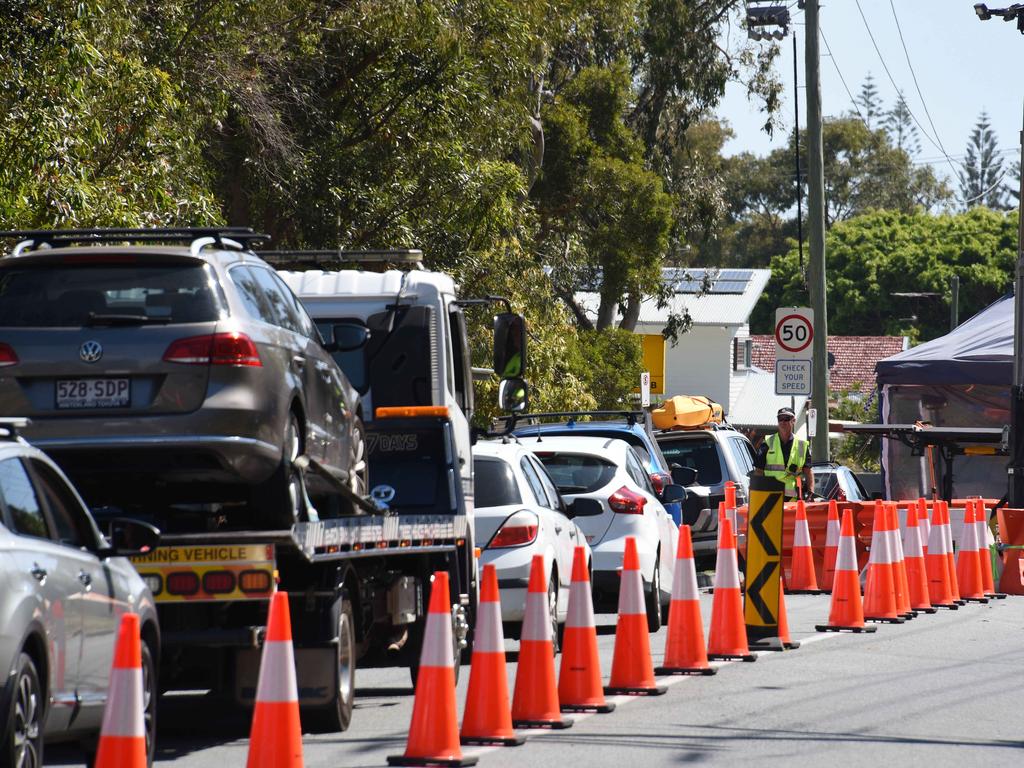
[(610, 472), (518, 514)]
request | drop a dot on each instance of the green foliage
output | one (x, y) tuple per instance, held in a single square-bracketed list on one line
[(872, 257), (859, 452), (610, 363), (981, 182)]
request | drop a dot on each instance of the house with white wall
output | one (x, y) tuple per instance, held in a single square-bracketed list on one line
[(713, 357)]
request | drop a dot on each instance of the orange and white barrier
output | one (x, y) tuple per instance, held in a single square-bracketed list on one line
[(847, 610), (728, 636), (579, 679), (880, 587), (123, 733), (685, 650)]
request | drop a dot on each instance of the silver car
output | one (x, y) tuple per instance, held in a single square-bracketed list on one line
[(63, 589), (185, 373)]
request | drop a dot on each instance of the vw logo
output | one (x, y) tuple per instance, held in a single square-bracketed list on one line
[(90, 351)]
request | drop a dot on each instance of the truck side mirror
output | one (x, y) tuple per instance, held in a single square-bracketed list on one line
[(348, 337), (510, 345), (513, 395)]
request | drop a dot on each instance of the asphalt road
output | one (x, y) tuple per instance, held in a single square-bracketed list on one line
[(941, 690)]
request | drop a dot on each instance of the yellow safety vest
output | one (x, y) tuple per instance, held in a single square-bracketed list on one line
[(774, 464)]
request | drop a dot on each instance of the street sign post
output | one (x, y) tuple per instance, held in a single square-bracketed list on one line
[(794, 332), (645, 389)]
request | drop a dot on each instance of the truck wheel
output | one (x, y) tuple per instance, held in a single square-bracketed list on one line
[(279, 502), (338, 715), (359, 473), (652, 600), (23, 743)]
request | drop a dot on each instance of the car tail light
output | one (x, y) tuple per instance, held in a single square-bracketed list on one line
[(254, 582), (183, 583), (218, 582), (659, 480), (7, 355), (627, 502), (214, 349), (519, 529)]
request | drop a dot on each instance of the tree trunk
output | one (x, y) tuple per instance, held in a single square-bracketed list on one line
[(606, 312), (632, 314)]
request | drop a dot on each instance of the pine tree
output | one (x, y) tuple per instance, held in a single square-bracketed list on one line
[(868, 102), (899, 124), (982, 177), (1013, 186)]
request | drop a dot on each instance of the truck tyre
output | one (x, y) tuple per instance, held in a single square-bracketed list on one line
[(359, 473), (279, 501), (23, 739), (338, 715), (652, 600)]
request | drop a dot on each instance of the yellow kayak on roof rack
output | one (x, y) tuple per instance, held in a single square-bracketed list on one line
[(687, 412)]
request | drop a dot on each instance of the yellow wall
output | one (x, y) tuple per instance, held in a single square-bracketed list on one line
[(654, 361)]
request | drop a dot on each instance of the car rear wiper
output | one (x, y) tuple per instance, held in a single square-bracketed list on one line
[(112, 319)]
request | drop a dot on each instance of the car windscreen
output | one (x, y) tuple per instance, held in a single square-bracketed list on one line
[(577, 473), (495, 484), (82, 294), (696, 453)]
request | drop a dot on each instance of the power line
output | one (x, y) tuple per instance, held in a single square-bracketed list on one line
[(913, 75), (893, 81), (841, 78)]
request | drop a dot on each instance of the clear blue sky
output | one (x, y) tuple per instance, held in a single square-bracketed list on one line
[(962, 64)]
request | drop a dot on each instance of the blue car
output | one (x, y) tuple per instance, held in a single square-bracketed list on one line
[(632, 426)]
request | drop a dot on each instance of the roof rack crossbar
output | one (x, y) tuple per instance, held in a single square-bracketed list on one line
[(30, 239), (630, 416), (318, 259), (9, 427)]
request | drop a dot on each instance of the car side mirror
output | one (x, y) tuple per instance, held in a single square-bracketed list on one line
[(673, 493), (585, 508), (684, 476), (348, 337), (130, 537), (510, 345)]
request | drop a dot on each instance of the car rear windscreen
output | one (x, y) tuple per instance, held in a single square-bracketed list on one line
[(494, 483), (699, 454), (56, 295), (577, 473)]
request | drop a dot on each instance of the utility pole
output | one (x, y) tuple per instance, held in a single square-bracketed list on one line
[(1016, 468), (816, 233), (954, 302)]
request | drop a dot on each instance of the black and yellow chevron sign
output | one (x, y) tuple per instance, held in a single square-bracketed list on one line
[(764, 559)]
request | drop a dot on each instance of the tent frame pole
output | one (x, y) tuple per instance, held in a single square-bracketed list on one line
[(1015, 493)]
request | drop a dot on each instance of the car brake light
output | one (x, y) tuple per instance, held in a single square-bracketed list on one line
[(214, 349), (627, 502), (7, 355), (519, 529)]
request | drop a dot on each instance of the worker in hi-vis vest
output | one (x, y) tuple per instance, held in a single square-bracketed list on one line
[(785, 457)]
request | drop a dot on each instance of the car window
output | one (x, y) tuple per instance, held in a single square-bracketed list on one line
[(305, 323), (23, 506), (577, 473), (636, 471), (280, 299), (697, 453), (65, 511), (495, 484), (253, 298), (554, 500), (741, 454), (533, 481), (62, 296), (859, 486)]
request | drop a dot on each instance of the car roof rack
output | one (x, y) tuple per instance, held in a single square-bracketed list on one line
[(630, 417), (326, 259), (36, 239), (9, 427)]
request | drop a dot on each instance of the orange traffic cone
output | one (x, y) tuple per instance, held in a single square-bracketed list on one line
[(788, 643), (579, 679), (899, 563), (685, 651), (968, 569), (880, 588), (984, 556), (434, 731), (123, 733), (924, 524), (947, 532), (730, 495), (847, 611), (276, 735), (940, 592), (913, 553), (535, 701), (831, 546), (802, 580), (632, 670), (487, 718), (728, 636)]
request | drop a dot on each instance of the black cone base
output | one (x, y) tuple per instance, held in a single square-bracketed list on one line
[(483, 741), (897, 620), (839, 628), (601, 709), (685, 671), (551, 725), (657, 690), (430, 761), (732, 657)]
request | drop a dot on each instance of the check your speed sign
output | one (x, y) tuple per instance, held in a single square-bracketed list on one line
[(794, 331)]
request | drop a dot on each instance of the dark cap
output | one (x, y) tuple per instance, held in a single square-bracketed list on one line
[(785, 413)]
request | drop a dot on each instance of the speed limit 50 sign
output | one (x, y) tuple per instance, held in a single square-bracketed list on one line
[(794, 332)]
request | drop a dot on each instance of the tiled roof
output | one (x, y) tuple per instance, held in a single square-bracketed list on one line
[(855, 357), (756, 403)]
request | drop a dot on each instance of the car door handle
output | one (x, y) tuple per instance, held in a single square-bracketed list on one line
[(299, 362), (558, 529), (38, 573), (85, 578)]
